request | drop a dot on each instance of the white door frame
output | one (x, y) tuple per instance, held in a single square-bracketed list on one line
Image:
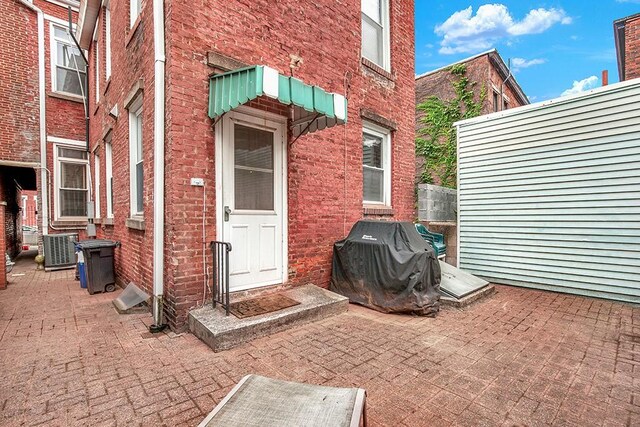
[(260, 118)]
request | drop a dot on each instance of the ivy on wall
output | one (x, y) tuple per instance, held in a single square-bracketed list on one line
[(436, 136)]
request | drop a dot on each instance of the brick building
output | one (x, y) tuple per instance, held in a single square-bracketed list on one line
[(626, 33), (42, 132), (486, 69), (271, 125)]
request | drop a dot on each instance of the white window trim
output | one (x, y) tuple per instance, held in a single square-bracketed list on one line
[(97, 71), (108, 164), (24, 206), (96, 184), (52, 55), (134, 12), (57, 179), (386, 37), (135, 111), (107, 42), (385, 134)]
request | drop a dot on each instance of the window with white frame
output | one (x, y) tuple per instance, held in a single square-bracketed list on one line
[(96, 185), (107, 42), (108, 165), (67, 66), (375, 32), (376, 165), (97, 47), (71, 165), (136, 171), (135, 7), (24, 206)]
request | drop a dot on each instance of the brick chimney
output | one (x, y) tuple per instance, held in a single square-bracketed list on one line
[(605, 77)]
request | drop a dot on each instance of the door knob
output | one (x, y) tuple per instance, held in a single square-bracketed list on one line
[(227, 211)]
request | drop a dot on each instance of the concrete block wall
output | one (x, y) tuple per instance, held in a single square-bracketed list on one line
[(437, 204)]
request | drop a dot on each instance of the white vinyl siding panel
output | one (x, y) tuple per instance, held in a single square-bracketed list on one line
[(549, 195)]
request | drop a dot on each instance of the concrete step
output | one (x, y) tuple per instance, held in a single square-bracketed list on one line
[(221, 332)]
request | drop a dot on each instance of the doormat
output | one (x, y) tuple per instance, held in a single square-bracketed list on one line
[(261, 305)]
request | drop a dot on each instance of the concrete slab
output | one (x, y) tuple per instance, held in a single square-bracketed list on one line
[(221, 332), (446, 300)]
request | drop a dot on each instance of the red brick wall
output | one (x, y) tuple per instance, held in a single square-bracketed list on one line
[(19, 132), (632, 48), (321, 207), (30, 208), (479, 70)]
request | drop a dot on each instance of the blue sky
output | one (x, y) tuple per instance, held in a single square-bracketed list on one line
[(556, 47)]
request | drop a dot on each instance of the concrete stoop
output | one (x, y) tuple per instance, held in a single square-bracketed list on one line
[(221, 332), (485, 292)]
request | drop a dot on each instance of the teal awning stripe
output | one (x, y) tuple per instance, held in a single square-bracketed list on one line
[(229, 90)]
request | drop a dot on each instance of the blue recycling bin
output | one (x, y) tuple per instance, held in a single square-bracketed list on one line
[(82, 275)]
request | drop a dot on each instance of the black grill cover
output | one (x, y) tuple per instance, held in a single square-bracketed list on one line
[(387, 266)]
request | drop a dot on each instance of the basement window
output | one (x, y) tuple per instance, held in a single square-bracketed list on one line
[(67, 66)]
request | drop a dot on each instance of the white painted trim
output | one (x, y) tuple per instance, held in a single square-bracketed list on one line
[(265, 120), (386, 35), (65, 141), (96, 185), (107, 41), (108, 159), (385, 134), (134, 12), (66, 3), (458, 198), (135, 116), (52, 54), (56, 180)]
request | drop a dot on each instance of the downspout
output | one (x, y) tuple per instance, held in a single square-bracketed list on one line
[(158, 166), (44, 199)]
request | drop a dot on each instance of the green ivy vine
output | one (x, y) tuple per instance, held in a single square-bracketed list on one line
[(436, 136)]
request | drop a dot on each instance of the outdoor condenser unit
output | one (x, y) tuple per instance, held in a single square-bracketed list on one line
[(59, 251)]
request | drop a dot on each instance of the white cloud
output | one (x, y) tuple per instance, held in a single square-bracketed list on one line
[(519, 63), (581, 86), (628, 1), (465, 32)]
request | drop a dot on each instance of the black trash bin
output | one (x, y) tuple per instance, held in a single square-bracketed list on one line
[(98, 264)]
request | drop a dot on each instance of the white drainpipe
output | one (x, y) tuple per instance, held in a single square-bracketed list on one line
[(44, 200), (158, 166)]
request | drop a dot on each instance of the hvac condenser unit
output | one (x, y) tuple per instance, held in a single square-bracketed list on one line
[(59, 251)]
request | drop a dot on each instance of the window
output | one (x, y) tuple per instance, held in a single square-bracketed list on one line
[(375, 32), (135, 6), (108, 164), (505, 104), (24, 206), (96, 185), (71, 166), (376, 165), (107, 43), (68, 67), (97, 47), (496, 101), (136, 172)]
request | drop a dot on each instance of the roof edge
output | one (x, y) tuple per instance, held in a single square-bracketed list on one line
[(87, 19), (462, 61)]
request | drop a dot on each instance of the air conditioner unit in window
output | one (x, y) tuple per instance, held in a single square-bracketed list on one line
[(59, 251)]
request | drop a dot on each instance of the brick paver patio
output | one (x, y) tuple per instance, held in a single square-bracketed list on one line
[(521, 357)]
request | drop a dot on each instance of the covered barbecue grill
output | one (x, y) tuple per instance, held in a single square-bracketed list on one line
[(387, 266)]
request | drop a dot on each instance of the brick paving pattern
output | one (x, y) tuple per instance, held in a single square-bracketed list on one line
[(521, 357)]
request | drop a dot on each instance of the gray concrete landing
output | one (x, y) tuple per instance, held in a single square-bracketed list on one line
[(221, 332)]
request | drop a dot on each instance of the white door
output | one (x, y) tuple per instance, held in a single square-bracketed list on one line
[(253, 200)]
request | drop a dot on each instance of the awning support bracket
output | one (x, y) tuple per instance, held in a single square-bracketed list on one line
[(305, 128)]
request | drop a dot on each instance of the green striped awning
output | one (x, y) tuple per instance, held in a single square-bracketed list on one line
[(314, 108)]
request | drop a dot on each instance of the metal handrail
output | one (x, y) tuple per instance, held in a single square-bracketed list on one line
[(220, 294)]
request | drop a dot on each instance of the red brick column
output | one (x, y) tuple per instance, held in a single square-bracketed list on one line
[(3, 247)]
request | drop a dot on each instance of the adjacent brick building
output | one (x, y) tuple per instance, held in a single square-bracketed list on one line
[(485, 70), (41, 116), (626, 33), (314, 186)]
